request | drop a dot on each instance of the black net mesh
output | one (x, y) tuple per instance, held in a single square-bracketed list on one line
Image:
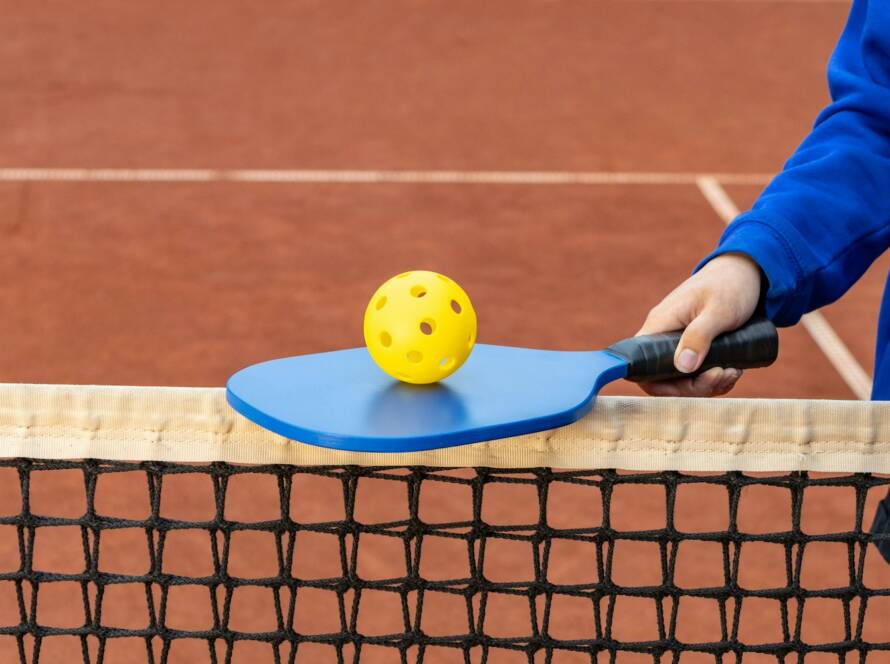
[(156, 562)]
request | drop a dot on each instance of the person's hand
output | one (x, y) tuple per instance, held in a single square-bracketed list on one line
[(720, 297)]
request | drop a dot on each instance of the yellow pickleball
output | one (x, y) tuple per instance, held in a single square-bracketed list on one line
[(420, 327)]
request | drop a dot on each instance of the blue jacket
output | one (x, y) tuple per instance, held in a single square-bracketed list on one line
[(823, 220)]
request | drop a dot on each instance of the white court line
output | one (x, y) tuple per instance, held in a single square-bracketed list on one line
[(370, 176), (708, 183), (856, 378)]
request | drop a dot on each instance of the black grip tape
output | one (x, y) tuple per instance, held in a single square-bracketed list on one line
[(651, 358)]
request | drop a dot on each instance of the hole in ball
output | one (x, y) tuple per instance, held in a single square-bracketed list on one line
[(381, 303), (455, 306), (445, 363), (427, 326), (385, 339), (414, 356), (418, 291)]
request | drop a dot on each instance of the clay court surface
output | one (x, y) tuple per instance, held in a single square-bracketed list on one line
[(186, 189)]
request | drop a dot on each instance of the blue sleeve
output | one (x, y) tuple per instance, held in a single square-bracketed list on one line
[(823, 220)]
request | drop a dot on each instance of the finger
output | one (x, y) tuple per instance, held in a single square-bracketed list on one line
[(697, 337), (704, 385), (709, 383), (731, 377), (667, 388)]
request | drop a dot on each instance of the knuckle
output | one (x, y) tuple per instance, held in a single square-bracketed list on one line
[(724, 313), (654, 313)]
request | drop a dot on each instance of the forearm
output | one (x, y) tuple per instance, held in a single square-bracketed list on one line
[(826, 216)]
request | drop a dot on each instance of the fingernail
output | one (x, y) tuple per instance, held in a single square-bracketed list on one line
[(687, 360)]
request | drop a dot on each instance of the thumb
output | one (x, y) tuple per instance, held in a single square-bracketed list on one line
[(697, 337), (670, 314)]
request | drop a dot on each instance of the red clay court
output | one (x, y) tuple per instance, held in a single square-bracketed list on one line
[(152, 277), (186, 189)]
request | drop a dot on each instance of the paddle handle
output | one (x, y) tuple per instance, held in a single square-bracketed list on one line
[(651, 358)]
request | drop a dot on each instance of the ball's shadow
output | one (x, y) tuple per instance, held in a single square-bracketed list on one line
[(404, 409)]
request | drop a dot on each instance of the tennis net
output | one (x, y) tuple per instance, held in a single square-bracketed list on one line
[(155, 525)]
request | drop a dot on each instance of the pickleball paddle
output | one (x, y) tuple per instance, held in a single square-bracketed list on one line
[(342, 400)]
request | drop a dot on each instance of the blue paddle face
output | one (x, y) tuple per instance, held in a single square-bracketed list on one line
[(344, 401)]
